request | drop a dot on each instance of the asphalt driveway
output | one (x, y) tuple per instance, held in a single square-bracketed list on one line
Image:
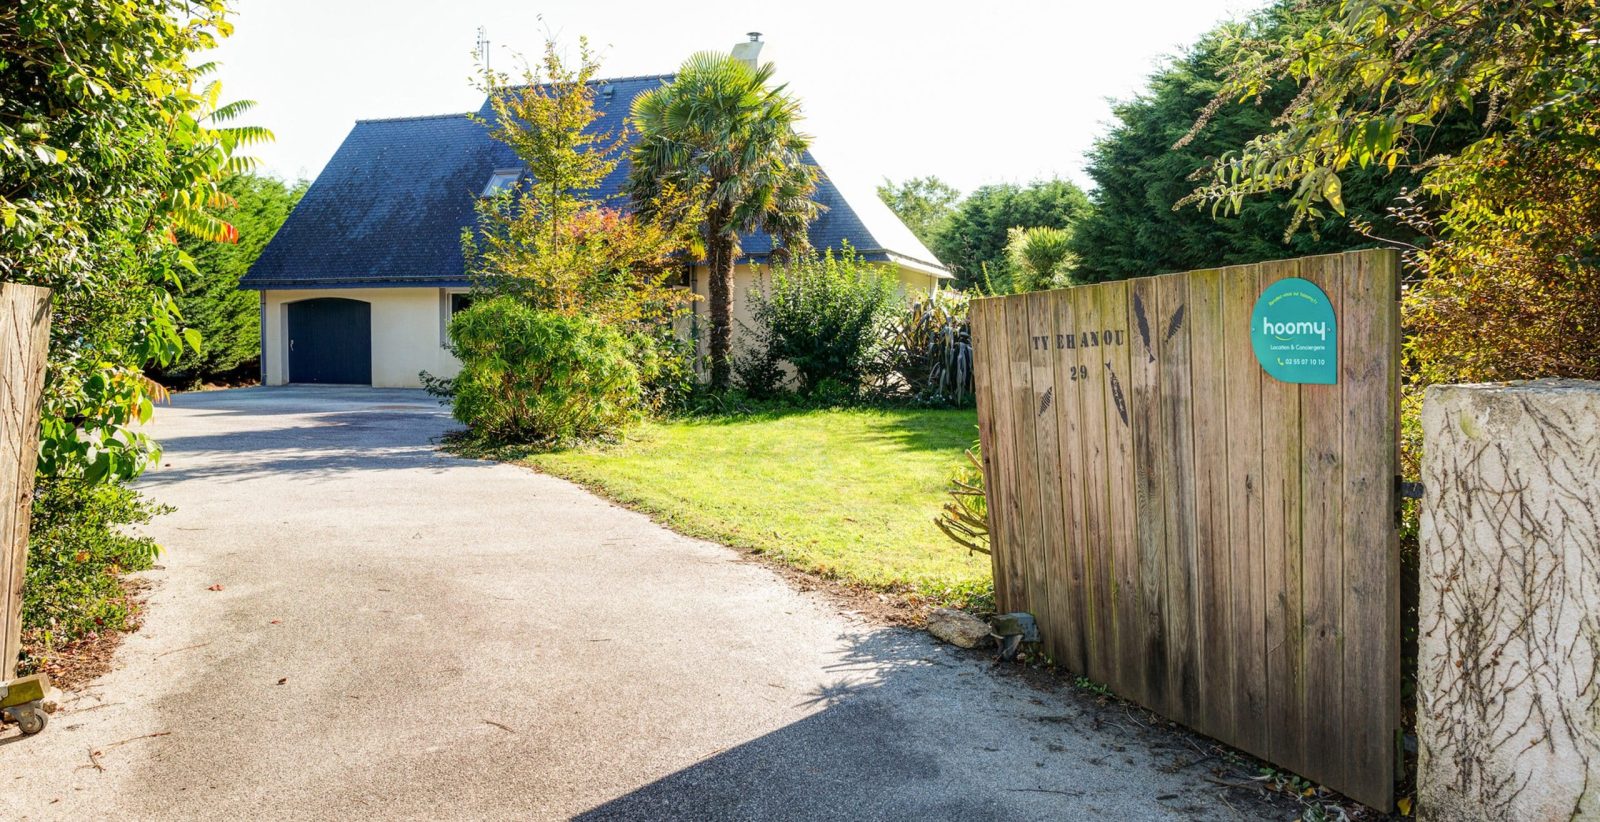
[(404, 634)]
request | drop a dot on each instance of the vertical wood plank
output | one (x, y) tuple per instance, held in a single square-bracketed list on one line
[(1009, 592), (1111, 302), (1144, 406), (1246, 526), (1171, 325), (1370, 370), (1052, 524), (1024, 400), (1016, 598), (1092, 341), (1074, 476), (1280, 445), (24, 340), (1322, 511), (1208, 373), (983, 342)]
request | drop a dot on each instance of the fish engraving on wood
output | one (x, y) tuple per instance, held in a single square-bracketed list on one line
[(1116, 394)]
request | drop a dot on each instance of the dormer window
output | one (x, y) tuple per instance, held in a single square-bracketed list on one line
[(500, 180)]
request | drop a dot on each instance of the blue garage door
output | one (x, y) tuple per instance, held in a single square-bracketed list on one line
[(330, 341)]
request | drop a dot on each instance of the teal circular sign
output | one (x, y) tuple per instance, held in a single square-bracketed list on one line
[(1294, 333)]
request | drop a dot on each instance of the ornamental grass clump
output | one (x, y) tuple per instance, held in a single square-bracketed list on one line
[(927, 352)]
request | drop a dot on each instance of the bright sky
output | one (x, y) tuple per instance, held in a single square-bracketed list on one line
[(1002, 91)]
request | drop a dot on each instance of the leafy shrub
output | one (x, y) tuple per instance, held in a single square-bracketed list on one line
[(113, 145), (76, 550), (927, 352), (666, 370), (824, 315), (1509, 287), (758, 371), (529, 375)]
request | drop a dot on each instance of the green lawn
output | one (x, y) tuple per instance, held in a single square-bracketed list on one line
[(845, 493)]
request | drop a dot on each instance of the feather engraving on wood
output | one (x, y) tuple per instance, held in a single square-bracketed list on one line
[(1175, 324)]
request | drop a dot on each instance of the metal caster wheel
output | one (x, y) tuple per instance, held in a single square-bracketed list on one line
[(33, 721), (22, 702)]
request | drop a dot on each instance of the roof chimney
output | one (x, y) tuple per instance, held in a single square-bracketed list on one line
[(747, 52)]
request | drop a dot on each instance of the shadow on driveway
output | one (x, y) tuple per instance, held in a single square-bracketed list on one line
[(911, 741), (307, 431)]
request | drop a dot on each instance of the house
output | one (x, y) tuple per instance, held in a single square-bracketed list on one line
[(359, 284)]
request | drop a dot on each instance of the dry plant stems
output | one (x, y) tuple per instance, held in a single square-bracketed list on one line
[(965, 516)]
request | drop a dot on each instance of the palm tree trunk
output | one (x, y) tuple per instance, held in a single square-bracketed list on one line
[(719, 254)]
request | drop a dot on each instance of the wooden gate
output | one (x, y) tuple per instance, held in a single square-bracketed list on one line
[(24, 337), (1204, 539)]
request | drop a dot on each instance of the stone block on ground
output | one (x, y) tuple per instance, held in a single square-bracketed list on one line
[(958, 628)]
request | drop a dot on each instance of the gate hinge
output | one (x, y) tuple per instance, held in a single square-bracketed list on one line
[(1407, 490)]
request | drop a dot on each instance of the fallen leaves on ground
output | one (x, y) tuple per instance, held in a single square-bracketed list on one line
[(80, 661)]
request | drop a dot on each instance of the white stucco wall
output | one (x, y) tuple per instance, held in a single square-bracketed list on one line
[(1508, 679), (407, 333), (408, 324)]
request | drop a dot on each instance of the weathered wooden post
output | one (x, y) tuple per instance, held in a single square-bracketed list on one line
[(24, 338)]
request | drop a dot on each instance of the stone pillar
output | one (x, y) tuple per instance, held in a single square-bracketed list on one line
[(1508, 690)]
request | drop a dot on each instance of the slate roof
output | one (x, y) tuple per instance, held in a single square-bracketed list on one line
[(389, 208)]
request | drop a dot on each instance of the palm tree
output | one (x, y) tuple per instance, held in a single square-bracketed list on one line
[(719, 131), (1041, 258)]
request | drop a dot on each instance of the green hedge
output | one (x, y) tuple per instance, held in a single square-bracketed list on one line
[(529, 375)]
